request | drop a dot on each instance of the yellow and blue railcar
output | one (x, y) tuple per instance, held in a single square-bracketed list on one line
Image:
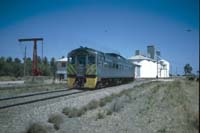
[(89, 68)]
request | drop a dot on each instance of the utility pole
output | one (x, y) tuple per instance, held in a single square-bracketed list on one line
[(25, 62), (157, 67)]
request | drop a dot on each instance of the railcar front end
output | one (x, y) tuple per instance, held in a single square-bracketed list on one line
[(82, 68)]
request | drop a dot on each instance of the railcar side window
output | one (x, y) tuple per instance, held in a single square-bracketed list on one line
[(100, 61), (91, 59), (72, 60), (117, 66)]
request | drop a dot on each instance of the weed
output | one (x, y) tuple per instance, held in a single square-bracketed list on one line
[(76, 112), (102, 102), (101, 114), (93, 105), (162, 131), (108, 112), (105, 100), (37, 128), (66, 110), (116, 105)]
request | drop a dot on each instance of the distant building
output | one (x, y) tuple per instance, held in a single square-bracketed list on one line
[(61, 72), (150, 66)]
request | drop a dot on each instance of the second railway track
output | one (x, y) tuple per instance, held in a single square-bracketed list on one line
[(35, 97)]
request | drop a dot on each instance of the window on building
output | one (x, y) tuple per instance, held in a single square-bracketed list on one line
[(63, 64)]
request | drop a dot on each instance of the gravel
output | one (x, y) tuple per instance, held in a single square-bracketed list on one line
[(18, 119)]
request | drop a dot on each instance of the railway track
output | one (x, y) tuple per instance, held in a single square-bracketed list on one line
[(32, 94), (35, 97), (9, 102)]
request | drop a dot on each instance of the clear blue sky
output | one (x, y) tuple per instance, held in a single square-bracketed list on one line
[(121, 26)]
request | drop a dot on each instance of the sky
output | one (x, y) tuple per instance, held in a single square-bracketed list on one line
[(120, 26)]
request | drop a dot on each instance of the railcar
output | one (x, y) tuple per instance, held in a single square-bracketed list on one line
[(89, 68)]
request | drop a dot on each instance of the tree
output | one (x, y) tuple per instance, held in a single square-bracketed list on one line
[(17, 69), (45, 60), (2, 66), (187, 69), (44, 67), (17, 60), (28, 66), (9, 60), (53, 67)]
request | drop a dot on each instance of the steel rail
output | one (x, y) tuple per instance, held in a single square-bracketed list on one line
[(32, 94), (39, 100)]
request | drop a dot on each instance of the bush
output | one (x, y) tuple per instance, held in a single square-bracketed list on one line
[(191, 78), (93, 105), (56, 120), (101, 114), (66, 110), (37, 128), (108, 112), (76, 112)]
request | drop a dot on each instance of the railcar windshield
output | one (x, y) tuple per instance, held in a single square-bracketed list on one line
[(81, 60), (91, 59)]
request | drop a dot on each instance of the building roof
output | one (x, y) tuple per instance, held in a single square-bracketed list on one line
[(62, 60), (136, 64), (140, 57)]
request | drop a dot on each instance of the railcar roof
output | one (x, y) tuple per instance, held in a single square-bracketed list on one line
[(85, 49), (90, 50), (115, 55)]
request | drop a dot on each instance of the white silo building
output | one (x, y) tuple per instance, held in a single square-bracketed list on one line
[(149, 67)]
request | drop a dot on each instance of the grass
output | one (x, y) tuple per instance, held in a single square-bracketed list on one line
[(8, 78)]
